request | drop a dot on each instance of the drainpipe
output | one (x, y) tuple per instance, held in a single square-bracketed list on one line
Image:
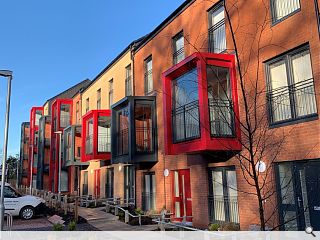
[(132, 60), (316, 5)]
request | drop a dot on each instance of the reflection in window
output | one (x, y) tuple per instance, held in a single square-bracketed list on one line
[(104, 134), (64, 115), (185, 109), (143, 126), (123, 131), (220, 104), (89, 136)]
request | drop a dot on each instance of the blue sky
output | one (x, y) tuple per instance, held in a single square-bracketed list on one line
[(52, 45)]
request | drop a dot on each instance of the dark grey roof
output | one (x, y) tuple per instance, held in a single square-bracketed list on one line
[(70, 92)]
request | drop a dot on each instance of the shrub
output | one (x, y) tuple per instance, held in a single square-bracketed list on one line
[(214, 227), (230, 227), (138, 211), (57, 227), (72, 226)]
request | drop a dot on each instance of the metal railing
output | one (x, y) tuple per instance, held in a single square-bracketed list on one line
[(217, 37), (9, 221), (128, 84), (123, 142), (144, 139), (178, 55), (89, 144), (148, 81), (223, 209), (186, 122), (148, 201), (104, 142), (221, 118), (293, 101)]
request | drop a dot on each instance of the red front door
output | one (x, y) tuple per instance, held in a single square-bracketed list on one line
[(182, 202), (97, 183)]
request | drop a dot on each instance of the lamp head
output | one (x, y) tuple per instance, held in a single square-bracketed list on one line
[(5, 73)]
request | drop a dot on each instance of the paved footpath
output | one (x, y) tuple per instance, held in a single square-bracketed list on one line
[(103, 221)]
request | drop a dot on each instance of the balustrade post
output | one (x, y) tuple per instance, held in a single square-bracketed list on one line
[(126, 216)]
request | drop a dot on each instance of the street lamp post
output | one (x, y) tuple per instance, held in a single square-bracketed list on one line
[(59, 167), (8, 75)]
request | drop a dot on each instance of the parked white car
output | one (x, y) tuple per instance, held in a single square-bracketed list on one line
[(25, 206)]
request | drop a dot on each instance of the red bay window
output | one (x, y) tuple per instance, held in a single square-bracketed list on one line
[(201, 112), (96, 132)]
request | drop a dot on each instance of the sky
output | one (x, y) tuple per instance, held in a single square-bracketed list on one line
[(52, 45)]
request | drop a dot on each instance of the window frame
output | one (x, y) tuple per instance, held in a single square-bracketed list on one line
[(99, 99), (215, 7), (287, 58), (146, 74), (174, 50), (128, 80), (110, 92), (272, 13)]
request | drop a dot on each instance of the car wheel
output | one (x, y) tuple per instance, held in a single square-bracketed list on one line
[(27, 212)]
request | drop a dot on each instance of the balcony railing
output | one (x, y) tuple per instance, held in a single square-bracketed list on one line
[(148, 81), (217, 37), (123, 142), (223, 209), (89, 144), (148, 201), (128, 85), (104, 142), (84, 189), (64, 121), (178, 56), (292, 102), (221, 118), (186, 123), (144, 139)]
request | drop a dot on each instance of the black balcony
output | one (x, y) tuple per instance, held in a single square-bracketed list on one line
[(185, 122), (133, 131), (221, 118), (178, 56), (223, 209), (293, 102), (148, 201), (217, 37)]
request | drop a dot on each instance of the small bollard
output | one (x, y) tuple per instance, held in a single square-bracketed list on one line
[(126, 216), (65, 204)]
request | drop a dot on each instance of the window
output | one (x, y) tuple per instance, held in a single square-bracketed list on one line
[(64, 115), (128, 81), (291, 93), (223, 195), (110, 93), (109, 183), (129, 184), (217, 29), (68, 146), (282, 8), (178, 48), (85, 183), (148, 80), (10, 193), (104, 135), (185, 107), (220, 103), (38, 116), (87, 105), (123, 132), (99, 99), (149, 192), (78, 112), (89, 136), (144, 127)]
